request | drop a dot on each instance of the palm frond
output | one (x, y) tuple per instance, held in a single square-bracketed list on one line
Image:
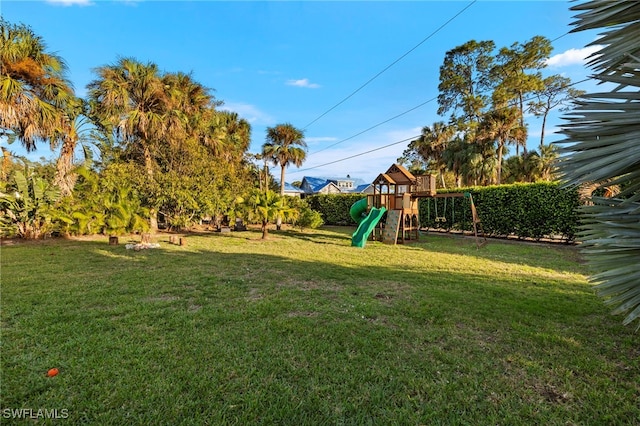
[(601, 149)]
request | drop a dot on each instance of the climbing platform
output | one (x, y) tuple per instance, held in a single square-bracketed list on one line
[(391, 227)]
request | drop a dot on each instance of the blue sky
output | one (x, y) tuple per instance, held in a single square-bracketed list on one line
[(339, 70)]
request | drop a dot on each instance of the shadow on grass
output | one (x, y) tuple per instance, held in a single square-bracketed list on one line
[(165, 334)]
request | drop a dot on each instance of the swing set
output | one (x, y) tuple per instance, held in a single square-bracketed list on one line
[(399, 192), (441, 220)]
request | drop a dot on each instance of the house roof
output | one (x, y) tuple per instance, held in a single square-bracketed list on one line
[(400, 175), (356, 181), (318, 183), (362, 188), (290, 188), (384, 178), (315, 183)]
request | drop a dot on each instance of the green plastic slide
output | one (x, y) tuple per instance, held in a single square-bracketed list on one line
[(359, 238), (358, 210)]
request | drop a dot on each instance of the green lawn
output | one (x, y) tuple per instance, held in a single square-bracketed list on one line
[(303, 329)]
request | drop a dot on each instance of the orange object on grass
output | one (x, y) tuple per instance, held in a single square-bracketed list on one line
[(52, 372)]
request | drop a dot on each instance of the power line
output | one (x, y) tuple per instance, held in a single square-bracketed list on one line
[(390, 65), (374, 126), (394, 143), (356, 155)]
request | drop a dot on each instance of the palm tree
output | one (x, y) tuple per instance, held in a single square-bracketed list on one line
[(130, 98), (285, 145), (34, 90), (74, 131), (454, 157), (265, 206), (501, 126), (432, 144), (548, 160), (601, 147)]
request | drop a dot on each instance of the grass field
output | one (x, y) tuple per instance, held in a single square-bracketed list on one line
[(303, 329)]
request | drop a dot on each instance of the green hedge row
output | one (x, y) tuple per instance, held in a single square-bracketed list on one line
[(334, 208), (538, 210), (535, 211)]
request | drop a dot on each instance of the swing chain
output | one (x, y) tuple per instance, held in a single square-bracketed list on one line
[(442, 219)]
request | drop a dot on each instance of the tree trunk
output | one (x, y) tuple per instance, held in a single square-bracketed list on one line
[(544, 123), (265, 229), (64, 178), (499, 166), (153, 213), (279, 219)]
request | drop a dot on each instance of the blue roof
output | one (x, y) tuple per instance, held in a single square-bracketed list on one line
[(289, 188), (317, 183), (356, 181), (362, 187)]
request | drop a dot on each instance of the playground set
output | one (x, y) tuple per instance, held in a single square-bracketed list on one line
[(397, 193)]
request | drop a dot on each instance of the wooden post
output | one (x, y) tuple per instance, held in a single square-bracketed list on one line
[(183, 241), (173, 239), (113, 241), (146, 238)]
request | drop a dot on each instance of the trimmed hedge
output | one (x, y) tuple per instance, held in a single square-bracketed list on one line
[(537, 210), (334, 208)]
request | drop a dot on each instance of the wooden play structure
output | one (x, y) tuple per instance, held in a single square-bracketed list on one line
[(398, 191)]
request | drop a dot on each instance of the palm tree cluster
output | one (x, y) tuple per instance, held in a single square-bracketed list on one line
[(192, 155), (487, 96)]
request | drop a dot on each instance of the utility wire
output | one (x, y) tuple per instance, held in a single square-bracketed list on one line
[(402, 113), (374, 126), (394, 143), (357, 155), (390, 65), (407, 111)]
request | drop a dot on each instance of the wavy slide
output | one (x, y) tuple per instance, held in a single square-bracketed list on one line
[(366, 222)]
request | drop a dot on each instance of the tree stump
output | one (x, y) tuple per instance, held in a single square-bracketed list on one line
[(146, 238), (113, 241)]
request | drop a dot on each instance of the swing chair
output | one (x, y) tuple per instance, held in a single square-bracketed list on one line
[(443, 218)]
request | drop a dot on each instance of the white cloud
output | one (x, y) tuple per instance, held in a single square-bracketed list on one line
[(572, 57), (71, 2), (249, 112), (304, 82)]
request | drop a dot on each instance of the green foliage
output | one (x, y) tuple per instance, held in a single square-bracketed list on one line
[(307, 217), (194, 182), (601, 150), (535, 211), (28, 205), (265, 207), (334, 208), (106, 203)]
